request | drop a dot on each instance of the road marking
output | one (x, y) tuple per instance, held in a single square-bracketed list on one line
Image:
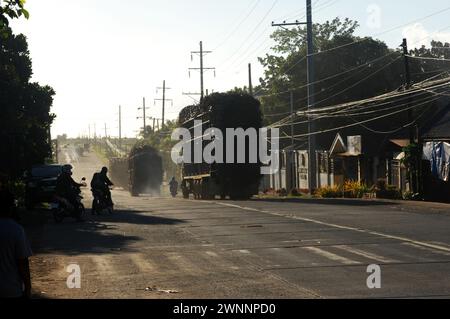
[(103, 264), (426, 249), (183, 264), (366, 254), (365, 231), (212, 254), (143, 264), (331, 256)]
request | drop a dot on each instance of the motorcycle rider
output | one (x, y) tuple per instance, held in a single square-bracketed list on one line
[(100, 185), (67, 188), (173, 186)]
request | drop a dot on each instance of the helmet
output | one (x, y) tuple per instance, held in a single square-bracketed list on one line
[(67, 168)]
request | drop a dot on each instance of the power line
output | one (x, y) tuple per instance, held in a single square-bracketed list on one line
[(367, 38), (427, 58), (387, 31), (163, 100), (332, 76), (362, 122), (238, 26), (251, 34), (384, 97), (202, 69)]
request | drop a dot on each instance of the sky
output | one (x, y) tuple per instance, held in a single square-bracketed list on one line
[(99, 54)]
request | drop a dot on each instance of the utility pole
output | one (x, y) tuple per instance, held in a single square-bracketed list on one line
[(415, 181), (407, 87), (144, 117), (106, 132), (120, 126), (250, 84), (163, 88), (312, 160), (202, 69), (292, 123)]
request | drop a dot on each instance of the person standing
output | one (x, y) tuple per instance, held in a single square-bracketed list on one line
[(15, 251)]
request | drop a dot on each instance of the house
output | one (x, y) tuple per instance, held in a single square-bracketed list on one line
[(365, 153)]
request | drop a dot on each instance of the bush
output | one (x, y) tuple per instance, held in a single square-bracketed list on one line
[(381, 185), (329, 192), (408, 195), (282, 192), (355, 189), (295, 193), (391, 192)]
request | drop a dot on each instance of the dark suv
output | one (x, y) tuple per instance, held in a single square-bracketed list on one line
[(41, 184)]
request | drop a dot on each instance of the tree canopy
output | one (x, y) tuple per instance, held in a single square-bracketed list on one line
[(346, 67), (25, 106)]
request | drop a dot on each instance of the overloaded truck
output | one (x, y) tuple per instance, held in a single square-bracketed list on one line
[(145, 169), (222, 111), (118, 168)]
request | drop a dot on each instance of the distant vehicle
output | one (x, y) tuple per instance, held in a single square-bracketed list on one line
[(41, 184), (174, 190), (236, 181), (145, 171)]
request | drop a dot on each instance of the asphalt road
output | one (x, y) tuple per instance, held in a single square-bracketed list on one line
[(175, 248)]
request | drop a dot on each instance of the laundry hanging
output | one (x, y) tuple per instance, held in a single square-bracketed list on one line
[(438, 153)]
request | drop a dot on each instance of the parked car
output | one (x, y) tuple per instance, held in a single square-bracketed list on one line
[(41, 184)]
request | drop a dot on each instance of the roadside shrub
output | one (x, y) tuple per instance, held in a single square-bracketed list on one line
[(329, 192), (408, 195), (355, 189), (295, 193), (391, 192), (381, 185), (282, 192)]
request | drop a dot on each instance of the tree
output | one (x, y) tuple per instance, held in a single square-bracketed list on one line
[(11, 9), (25, 106), (347, 68)]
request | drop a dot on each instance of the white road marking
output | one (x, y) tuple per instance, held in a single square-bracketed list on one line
[(183, 264), (143, 264), (426, 249), (103, 264), (366, 254), (212, 254), (331, 256), (365, 231)]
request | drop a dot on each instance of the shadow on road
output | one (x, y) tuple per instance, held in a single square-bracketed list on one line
[(97, 235)]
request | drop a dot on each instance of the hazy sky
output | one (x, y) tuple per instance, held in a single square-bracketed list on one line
[(98, 54)]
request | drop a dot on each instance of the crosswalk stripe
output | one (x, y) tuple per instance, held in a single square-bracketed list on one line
[(331, 256), (145, 265), (426, 249), (103, 264), (366, 254)]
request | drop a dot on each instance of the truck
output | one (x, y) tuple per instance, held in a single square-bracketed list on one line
[(225, 180), (145, 169)]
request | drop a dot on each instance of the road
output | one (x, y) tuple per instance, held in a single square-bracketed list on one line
[(175, 248)]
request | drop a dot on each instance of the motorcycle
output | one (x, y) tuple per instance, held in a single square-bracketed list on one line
[(101, 203), (174, 190), (62, 208)]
